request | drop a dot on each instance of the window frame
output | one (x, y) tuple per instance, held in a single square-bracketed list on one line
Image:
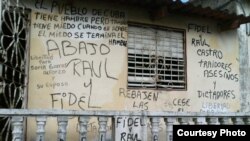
[(164, 28)]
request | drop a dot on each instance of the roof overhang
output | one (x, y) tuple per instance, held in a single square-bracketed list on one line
[(162, 8)]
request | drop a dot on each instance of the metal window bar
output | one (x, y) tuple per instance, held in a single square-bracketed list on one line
[(14, 25), (155, 58)]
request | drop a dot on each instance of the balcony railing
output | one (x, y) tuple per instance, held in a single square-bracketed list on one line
[(18, 117)]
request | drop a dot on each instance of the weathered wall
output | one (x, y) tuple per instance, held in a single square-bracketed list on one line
[(241, 8), (86, 72), (243, 33), (75, 68)]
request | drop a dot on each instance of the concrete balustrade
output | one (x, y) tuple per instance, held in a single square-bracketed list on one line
[(170, 119)]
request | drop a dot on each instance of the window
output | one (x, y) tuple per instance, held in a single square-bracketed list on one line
[(156, 58), (14, 25)]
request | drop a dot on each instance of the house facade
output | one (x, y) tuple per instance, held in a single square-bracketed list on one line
[(124, 56)]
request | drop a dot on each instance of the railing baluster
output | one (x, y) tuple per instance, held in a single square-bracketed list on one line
[(225, 121), (83, 129), (17, 128), (155, 123), (183, 120), (200, 121), (62, 128), (238, 121), (40, 132), (102, 128), (247, 120), (169, 121), (213, 121), (17, 123), (191, 121)]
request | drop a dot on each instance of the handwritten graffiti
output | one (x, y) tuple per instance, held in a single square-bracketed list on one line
[(215, 106), (53, 72), (199, 42), (45, 17), (129, 128), (216, 65), (130, 122), (213, 65), (199, 28), (140, 105), (61, 8), (118, 42), (43, 67), (141, 98), (93, 23), (218, 70), (129, 137), (216, 95), (178, 104), (181, 102), (210, 53), (56, 6), (108, 13), (65, 33), (139, 94), (90, 85), (221, 74), (67, 49), (67, 99), (78, 43), (52, 85), (80, 68), (46, 26)]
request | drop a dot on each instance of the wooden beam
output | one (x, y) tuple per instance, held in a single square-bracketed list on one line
[(224, 26)]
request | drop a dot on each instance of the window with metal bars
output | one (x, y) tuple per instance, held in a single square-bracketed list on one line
[(14, 29), (156, 58)]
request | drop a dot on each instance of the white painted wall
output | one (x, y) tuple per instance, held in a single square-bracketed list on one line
[(89, 73)]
